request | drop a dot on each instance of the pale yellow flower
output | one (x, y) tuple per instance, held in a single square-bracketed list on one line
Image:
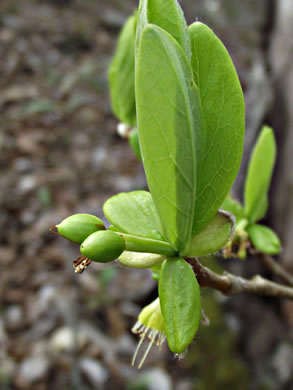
[(150, 324)]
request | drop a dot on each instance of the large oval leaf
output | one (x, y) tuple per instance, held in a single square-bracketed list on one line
[(213, 237), (224, 119), (168, 15), (168, 113), (134, 213), (121, 74), (259, 174), (180, 303)]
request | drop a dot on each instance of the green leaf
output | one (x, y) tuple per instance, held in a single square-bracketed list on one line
[(156, 270), (213, 237), (264, 239), (168, 15), (142, 21), (140, 260), (121, 74), (134, 213), (134, 143), (261, 208), (168, 112), (259, 174), (234, 207), (224, 121), (180, 303)]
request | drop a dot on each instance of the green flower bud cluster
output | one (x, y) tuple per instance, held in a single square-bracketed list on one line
[(97, 244)]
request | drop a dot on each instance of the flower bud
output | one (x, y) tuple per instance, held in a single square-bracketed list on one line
[(78, 227), (103, 246)]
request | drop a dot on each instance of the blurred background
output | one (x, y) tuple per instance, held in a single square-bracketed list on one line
[(60, 155)]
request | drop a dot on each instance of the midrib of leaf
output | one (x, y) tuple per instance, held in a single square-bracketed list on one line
[(187, 104)]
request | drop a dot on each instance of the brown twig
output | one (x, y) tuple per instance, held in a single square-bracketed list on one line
[(230, 284), (276, 268)]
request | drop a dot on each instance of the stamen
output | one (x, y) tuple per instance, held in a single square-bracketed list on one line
[(146, 353), (162, 338), (137, 349), (137, 328)]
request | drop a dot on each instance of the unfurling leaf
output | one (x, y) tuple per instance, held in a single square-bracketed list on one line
[(259, 175), (180, 303), (121, 74)]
